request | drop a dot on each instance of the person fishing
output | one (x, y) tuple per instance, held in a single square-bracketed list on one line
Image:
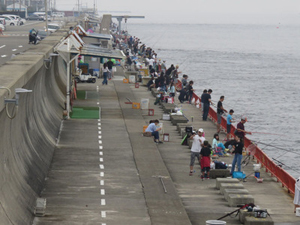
[(240, 129), (220, 111)]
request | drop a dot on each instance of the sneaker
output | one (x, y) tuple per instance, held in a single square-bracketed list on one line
[(207, 178), (191, 173)]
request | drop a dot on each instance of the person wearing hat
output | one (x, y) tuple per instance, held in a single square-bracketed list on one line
[(240, 129), (198, 141)]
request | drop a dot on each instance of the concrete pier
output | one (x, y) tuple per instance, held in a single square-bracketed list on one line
[(144, 183)]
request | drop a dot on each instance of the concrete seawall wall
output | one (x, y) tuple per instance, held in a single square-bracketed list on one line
[(27, 142)]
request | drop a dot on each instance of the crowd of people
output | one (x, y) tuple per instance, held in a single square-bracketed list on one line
[(165, 79)]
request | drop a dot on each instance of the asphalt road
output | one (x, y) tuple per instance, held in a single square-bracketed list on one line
[(15, 39)]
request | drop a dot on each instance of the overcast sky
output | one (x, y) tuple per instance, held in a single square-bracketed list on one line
[(165, 10)]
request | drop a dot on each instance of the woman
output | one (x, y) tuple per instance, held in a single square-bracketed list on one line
[(171, 90), (105, 73)]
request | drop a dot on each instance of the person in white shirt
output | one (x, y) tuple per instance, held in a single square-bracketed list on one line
[(198, 140)]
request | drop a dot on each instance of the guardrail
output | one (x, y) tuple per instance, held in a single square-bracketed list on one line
[(282, 176)]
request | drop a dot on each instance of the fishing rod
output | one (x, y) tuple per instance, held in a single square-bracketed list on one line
[(266, 133), (282, 164), (281, 148)]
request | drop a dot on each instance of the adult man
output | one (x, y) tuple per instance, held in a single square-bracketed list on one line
[(184, 81), (240, 129), (163, 66), (198, 141), (190, 91), (238, 154), (206, 99), (220, 111), (182, 95), (153, 131), (110, 65)]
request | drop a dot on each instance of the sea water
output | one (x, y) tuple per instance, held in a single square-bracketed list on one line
[(256, 68)]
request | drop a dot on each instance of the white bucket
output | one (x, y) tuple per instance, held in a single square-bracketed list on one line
[(297, 211), (166, 117), (256, 167), (215, 222), (132, 79), (144, 103)]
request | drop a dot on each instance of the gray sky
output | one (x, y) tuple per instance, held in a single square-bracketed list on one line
[(189, 10)]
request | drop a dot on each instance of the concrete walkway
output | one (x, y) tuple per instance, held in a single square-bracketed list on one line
[(105, 172)]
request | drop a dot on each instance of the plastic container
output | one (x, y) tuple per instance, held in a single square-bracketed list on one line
[(166, 117), (257, 174), (144, 103), (256, 167), (298, 211), (132, 79), (215, 222)]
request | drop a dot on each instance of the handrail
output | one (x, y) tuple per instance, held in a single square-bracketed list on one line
[(282, 176)]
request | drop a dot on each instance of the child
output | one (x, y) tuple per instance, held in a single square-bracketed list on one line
[(229, 122), (205, 160)]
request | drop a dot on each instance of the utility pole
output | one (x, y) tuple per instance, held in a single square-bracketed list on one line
[(46, 12)]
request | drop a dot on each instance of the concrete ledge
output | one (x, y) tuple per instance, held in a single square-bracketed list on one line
[(238, 199), (228, 192), (213, 174), (224, 186), (258, 221), (178, 119), (182, 125), (243, 214), (225, 180)]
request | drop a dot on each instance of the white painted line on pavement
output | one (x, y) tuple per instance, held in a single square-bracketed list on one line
[(100, 137), (20, 46), (100, 142), (101, 182), (99, 120), (3, 56), (98, 103), (103, 202), (100, 153), (102, 192), (101, 166), (99, 124), (103, 224), (101, 174), (100, 147), (99, 128), (103, 214), (2, 46), (14, 50), (99, 132), (101, 159)]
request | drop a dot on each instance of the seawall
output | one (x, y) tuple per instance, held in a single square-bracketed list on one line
[(27, 141)]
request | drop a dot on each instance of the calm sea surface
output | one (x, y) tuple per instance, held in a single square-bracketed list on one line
[(256, 68)]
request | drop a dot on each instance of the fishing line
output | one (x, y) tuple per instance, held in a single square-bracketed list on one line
[(281, 148)]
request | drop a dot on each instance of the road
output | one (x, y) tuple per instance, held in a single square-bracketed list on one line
[(15, 39)]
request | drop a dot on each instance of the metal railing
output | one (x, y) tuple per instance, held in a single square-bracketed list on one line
[(271, 167)]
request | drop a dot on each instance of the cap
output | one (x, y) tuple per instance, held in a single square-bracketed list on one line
[(200, 130)]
